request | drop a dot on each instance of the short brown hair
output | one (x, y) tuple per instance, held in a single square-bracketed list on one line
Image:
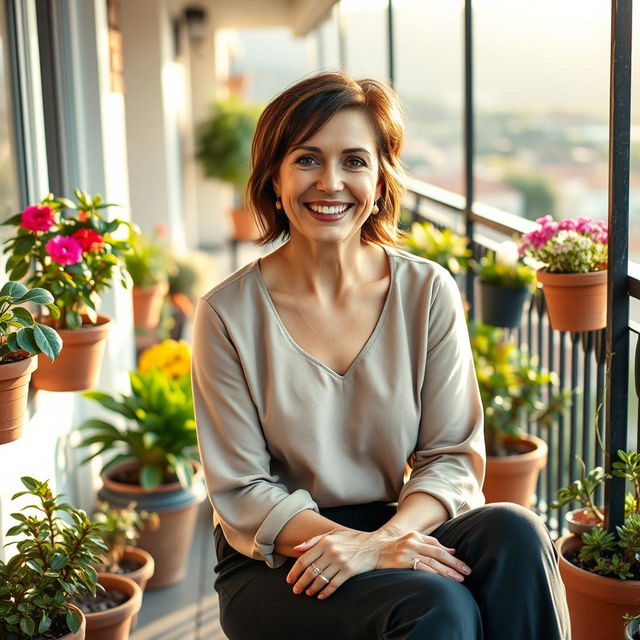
[(297, 114)]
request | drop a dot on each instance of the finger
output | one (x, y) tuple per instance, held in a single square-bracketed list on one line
[(436, 542), (321, 581), (335, 582), (307, 544), (442, 555), (301, 564), (432, 565), (307, 578)]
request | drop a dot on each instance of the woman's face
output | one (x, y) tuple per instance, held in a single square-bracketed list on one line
[(330, 182)]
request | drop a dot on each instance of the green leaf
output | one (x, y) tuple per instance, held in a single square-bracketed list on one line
[(13, 289), (23, 244), (150, 476), (23, 315), (45, 623), (13, 220), (37, 296), (48, 340), (30, 483), (73, 619), (20, 270), (74, 320), (109, 402), (27, 341), (58, 561), (27, 626)]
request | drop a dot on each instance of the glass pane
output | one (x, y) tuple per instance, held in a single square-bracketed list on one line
[(9, 193), (365, 24), (542, 87), (429, 38)]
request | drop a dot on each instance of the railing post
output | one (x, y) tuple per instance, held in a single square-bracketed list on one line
[(390, 44), (617, 290), (469, 155)]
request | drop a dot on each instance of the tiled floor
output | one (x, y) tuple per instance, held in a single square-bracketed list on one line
[(189, 609)]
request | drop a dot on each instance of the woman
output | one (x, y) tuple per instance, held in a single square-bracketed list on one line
[(318, 371)]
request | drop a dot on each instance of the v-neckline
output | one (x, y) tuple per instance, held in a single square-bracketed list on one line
[(367, 345)]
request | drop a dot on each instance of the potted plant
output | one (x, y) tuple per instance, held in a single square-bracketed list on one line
[(53, 563), (224, 150), (76, 257), (153, 455), (21, 340), (573, 255), (148, 265), (601, 569), (505, 285), (442, 246), (511, 387)]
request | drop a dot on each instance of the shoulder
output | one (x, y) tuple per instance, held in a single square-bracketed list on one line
[(236, 290), (415, 274)]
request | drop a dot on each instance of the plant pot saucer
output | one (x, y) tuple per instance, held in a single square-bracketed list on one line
[(581, 521)]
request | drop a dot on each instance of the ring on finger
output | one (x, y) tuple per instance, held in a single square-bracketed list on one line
[(317, 571), (324, 578), (415, 562)]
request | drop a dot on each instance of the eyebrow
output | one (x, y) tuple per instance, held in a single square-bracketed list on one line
[(318, 150)]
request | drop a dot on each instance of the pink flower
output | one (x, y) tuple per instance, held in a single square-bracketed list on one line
[(64, 250), (38, 217), (88, 239)]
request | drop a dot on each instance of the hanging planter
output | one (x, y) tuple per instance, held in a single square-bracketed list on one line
[(502, 307), (78, 366), (14, 390), (512, 478), (597, 603), (147, 304), (575, 301)]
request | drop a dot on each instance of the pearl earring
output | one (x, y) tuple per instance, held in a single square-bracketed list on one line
[(375, 209), (278, 203)]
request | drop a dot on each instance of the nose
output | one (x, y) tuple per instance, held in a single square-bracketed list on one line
[(330, 178)]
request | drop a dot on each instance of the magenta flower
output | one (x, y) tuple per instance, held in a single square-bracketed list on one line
[(38, 217), (64, 250)]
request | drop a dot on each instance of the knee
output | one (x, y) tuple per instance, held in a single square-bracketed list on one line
[(513, 525)]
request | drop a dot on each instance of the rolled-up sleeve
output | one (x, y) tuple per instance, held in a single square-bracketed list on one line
[(449, 458), (250, 504)]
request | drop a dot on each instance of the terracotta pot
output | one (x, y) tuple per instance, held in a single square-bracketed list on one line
[(77, 368), (139, 576), (81, 632), (177, 510), (513, 478), (147, 305), (14, 391), (115, 624), (245, 228), (502, 306), (575, 301), (597, 604), (581, 521)]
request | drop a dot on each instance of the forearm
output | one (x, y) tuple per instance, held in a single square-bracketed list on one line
[(302, 527), (419, 512)]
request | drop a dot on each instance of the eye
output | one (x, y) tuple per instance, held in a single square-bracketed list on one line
[(355, 163), (306, 161)]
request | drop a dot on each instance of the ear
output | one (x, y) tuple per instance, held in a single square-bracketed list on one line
[(275, 183), (379, 188)]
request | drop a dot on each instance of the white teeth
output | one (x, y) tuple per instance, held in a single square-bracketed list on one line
[(341, 208)]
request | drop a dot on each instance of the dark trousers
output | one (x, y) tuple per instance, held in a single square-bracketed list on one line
[(513, 593)]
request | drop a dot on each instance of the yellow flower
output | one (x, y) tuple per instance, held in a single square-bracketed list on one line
[(170, 356)]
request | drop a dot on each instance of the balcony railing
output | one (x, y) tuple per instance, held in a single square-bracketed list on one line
[(579, 359)]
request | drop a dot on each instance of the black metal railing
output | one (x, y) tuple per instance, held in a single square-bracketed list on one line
[(579, 359)]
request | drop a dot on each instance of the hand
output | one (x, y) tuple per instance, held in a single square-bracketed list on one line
[(330, 559)]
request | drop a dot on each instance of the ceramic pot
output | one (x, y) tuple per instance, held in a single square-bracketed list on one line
[(245, 228), (142, 575), (581, 520), (597, 604), (177, 510), (513, 478), (81, 632), (115, 623), (575, 301), (14, 391), (502, 306), (77, 368), (147, 305)]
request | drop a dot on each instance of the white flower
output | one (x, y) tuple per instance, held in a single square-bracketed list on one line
[(507, 253)]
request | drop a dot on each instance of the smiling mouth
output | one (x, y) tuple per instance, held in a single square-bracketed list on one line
[(328, 210)]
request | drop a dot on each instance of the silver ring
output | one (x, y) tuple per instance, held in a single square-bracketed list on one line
[(316, 570), (416, 561), (324, 579)]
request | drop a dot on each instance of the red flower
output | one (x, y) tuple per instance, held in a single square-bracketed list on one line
[(83, 216), (88, 239), (38, 217)]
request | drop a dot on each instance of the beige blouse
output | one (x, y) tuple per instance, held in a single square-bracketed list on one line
[(279, 432)]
